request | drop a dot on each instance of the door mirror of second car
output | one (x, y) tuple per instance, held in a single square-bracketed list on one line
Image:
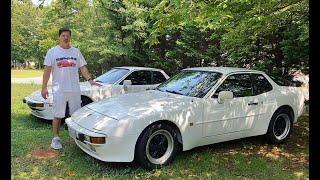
[(224, 95), (127, 82)]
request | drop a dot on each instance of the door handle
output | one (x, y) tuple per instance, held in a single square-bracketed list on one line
[(252, 103)]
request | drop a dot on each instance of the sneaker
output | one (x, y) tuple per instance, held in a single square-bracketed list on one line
[(56, 143)]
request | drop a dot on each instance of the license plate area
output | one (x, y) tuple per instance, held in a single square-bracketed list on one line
[(81, 137)]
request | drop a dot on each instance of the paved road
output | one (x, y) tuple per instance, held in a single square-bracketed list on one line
[(35, 80)]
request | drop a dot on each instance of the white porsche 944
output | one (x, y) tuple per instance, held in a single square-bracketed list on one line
[(196, 107), (118, 80)]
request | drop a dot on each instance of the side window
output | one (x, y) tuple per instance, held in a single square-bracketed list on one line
[(280, 81), (158, 77), (262, 85), (139, 78), (239, 84)]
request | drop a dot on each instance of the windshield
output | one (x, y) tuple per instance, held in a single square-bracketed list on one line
[(191, 83), (112, 76)]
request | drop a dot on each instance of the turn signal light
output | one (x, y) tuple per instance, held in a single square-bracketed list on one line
[(38, 104), (98, 140)]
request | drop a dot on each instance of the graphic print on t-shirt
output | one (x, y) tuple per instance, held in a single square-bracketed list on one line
[(66, 62)]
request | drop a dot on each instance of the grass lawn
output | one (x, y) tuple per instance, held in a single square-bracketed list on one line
[(26, 73), (249, 158)]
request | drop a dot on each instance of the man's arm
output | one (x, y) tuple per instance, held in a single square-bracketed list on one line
[(45, 79), (85, 73)]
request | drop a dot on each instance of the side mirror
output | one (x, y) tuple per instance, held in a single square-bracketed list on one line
[(127, 82), (224, 95)]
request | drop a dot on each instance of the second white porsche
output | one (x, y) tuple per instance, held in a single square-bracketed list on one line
[(118, 80)]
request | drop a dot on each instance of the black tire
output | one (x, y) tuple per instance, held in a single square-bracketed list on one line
[(85, 100), (156, 146), (280, 126), (67, 114)]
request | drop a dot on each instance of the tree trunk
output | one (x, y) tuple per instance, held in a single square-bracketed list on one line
[(277, 52)]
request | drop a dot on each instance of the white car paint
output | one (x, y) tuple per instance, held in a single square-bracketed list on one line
[(200, 121), (93, 92)]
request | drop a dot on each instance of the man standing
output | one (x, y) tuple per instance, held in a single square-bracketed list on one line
[(63, 61)]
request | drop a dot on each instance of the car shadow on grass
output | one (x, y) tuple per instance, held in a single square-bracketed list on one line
[(294, 151), (102, 167), (186, 156), (31, 121)]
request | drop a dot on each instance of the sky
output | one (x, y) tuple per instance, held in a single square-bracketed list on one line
[(37, 2)]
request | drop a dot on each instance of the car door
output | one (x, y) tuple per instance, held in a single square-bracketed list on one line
[(141, 81), (266, 99), (235, 115)]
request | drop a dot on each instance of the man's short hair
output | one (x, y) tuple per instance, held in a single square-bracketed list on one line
[(61, 30)]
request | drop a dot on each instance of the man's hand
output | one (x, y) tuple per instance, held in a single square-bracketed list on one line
[(45, 79), (86, 75), (92, 82), (44, 93)]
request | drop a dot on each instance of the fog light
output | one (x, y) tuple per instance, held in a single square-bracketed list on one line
[(98, 140)]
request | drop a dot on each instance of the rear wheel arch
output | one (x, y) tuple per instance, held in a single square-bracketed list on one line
[(289, 109), (280, 125)]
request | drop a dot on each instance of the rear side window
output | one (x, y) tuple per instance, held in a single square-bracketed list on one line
[(158, 77), (139, 78), (239, 84), (262, 85), (280, 81)]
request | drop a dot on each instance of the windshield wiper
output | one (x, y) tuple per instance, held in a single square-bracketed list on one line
[(157, 88), (99, 81), (174, 92)]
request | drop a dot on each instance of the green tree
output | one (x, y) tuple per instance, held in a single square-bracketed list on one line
[(26, 34), (269, 35)]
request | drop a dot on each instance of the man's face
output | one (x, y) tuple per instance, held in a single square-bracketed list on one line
[(65, 37)]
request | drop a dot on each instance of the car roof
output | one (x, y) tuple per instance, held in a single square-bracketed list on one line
[(137, 68), (223, 70)]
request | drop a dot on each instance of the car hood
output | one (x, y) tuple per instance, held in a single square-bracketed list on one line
[(138, 104), (92, 120), (36, 95), (84, 87), (97, 93)]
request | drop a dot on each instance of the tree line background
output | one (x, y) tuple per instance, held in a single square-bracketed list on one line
[(269, 35)]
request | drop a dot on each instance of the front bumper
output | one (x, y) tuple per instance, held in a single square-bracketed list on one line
[(116, 149), (39, 109)]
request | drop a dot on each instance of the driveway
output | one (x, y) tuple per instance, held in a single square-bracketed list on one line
[(34, 80)]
